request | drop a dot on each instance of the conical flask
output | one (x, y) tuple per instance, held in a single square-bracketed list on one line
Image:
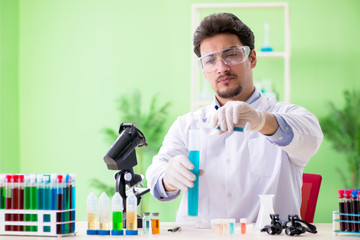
[(266, 208)]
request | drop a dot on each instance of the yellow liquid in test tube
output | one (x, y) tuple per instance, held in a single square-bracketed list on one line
[(131, 214), (131, 221), (92, 221)]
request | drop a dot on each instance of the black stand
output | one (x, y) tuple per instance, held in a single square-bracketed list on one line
[(128, 177)]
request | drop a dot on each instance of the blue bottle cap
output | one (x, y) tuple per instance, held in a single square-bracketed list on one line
[(104, 232), (354, 193), (131, 232), (92, 232), (117, 232)]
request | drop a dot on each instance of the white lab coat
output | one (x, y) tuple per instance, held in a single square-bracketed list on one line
[(238, 169)]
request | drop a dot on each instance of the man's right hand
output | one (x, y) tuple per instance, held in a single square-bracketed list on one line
[(178, 175)]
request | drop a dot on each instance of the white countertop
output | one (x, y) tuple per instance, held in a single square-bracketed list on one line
[(188, 231)]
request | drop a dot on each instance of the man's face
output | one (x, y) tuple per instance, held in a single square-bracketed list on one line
[(229, 82)]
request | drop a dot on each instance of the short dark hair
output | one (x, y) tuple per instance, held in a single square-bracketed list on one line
[(222, 23)]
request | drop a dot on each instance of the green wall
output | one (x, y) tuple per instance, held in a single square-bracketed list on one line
[(64, 63), (9, 86)]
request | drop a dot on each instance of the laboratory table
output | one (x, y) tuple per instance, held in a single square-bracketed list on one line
[(189, 232)]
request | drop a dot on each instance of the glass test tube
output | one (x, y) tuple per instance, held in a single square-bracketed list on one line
[(46, 198), (60, 199), (92, 214), (348, 209), (15, 200), (104, 207), (47, 194), (354, 210), (2, 191), (117, 216), (146, 223), (33, 200), (342, 209), (155, 223), (131, 214), (53, 190), (65, 215), (9, 190), (21, 199), (194, 157), (27, 197), (73, 201), (40, 191)]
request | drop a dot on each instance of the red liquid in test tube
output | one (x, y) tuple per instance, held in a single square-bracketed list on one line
[(21, 199), (9, 184)]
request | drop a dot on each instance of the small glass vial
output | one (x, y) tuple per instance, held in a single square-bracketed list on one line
[(131, 214), (117, 216), (147, 223), (104, 207), (155, 223), (243, 225), (92, 214), (215, 226), (231, 226)]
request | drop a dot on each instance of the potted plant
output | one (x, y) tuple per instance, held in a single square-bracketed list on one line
[(342, 128), (150, 123)]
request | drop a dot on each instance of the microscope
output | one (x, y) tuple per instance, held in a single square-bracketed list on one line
[(122, 156)]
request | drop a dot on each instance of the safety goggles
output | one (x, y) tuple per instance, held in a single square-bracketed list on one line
[(230, 56)]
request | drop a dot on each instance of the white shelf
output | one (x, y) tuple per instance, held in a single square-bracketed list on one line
[(195, 20), (271, 54)]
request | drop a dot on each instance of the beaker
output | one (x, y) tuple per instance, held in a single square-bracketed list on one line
[(266, 208)]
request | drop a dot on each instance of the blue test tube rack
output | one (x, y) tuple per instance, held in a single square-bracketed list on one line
[(337, 221)]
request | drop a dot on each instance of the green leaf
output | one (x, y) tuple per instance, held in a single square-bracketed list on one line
[(342, 128)]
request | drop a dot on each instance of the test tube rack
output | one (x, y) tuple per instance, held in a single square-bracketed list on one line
[(46, 224), (337, 221)]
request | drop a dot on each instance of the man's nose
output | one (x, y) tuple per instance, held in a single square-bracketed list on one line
[(222, 66)]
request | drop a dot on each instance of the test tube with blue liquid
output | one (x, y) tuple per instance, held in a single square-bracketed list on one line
[(194, 157)]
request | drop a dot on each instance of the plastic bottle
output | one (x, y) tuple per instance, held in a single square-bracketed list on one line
[(194, 157), (117, 216), (92, 214), (155, 223), (104, 208), (146, 223), (342, 209), (131, 214)]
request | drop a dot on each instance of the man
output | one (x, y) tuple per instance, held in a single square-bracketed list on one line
[(237, 166)]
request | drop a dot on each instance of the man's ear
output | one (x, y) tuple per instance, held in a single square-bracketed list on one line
[(253, 59)]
